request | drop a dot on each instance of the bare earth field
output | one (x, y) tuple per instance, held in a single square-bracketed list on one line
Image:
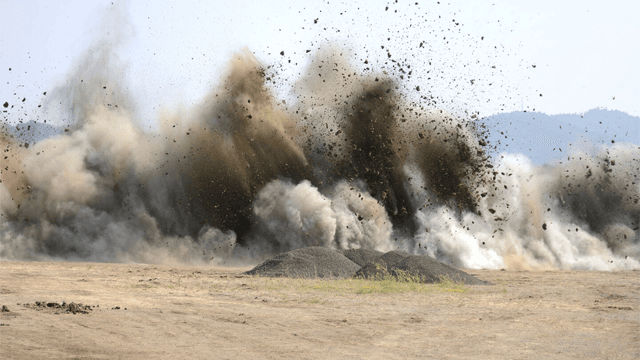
[(215, 313)]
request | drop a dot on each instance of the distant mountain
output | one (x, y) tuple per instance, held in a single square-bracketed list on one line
[(544, 138)]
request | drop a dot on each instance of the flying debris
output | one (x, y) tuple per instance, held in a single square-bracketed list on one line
[(351, 154)]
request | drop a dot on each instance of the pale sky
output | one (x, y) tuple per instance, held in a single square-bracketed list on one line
[(586, 53)]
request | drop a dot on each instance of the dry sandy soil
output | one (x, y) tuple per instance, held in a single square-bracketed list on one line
[(215, 313)]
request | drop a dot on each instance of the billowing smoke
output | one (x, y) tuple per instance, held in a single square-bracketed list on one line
[(293, 216), (352, 163), (545, 216)]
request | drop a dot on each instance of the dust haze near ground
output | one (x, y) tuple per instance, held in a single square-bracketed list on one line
[(354, 162)]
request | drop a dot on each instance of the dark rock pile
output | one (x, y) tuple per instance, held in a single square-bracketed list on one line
[(319, 262), (70, 308), (310, 262), (422, 268), (362, 257)]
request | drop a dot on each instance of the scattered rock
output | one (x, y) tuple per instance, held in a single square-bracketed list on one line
[(70, 308)]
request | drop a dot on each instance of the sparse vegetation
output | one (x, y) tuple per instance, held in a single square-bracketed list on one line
[(400, 282)]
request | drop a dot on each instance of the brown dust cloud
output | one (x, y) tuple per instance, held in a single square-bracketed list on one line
[(355, 162)]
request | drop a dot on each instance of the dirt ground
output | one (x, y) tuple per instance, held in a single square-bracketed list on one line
[(170, 312)]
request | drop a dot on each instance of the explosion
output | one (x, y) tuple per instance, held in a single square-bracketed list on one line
[(353, 163)]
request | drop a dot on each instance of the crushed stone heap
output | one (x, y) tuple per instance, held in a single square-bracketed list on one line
[(320, 262), (419, 267), (309, 262)]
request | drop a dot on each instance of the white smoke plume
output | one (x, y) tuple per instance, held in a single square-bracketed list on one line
[(295, 216), (575, 216)]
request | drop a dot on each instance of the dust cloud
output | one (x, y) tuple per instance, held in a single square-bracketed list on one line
[(353, 163)]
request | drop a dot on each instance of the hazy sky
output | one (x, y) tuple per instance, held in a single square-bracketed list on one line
[(586, 53)]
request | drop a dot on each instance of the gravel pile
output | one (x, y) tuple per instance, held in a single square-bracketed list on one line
[(320, 262), (362, 257), (382, 266), (425, 268), (310, 262)]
